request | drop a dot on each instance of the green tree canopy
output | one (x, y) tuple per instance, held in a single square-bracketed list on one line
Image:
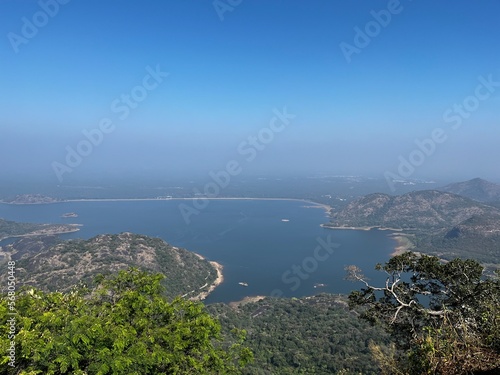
[(444, 317), (123, 326)]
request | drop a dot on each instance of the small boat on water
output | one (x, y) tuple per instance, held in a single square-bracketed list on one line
[(243, 284), (285, 220)]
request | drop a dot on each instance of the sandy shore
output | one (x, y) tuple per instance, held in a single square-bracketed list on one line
[(346, 228), (325, 207), (218, 280), (404, 244)]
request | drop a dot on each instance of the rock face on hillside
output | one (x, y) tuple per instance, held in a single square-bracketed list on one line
[(419, 210), (68, 263), (477, 189)]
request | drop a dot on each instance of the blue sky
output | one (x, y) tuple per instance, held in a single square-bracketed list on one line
[(227, 76)]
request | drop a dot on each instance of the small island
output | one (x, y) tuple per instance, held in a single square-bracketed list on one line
[(70, 214)]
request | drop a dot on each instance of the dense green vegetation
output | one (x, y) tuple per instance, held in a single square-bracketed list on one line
[(123, 326), (429, 318), (67, 263), (444, 318), (311, 335)]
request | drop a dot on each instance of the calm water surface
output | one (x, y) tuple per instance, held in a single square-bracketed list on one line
[(248, 237)]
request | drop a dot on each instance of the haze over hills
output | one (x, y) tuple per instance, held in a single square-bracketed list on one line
[(325, 188), (477, 189)]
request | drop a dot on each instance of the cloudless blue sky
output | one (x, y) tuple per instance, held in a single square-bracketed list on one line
[(226, 77)]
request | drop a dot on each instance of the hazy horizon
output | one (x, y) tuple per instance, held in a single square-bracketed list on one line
[(167, 90)]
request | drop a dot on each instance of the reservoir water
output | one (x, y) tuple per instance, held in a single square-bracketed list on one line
[(275, 246)]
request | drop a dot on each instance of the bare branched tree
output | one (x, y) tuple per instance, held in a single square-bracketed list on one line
[(444, 317)]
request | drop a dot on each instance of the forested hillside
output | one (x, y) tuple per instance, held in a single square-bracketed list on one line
[(310, 335)]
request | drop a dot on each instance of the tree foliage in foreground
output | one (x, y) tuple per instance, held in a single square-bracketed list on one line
[(124, 326), (444, 317)]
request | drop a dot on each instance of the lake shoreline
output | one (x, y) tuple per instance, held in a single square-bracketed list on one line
[(403, 244), (362, 228), (218, 280), (315, 204)]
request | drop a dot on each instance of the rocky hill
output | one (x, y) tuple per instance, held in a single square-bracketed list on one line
[(477, 237), (62, 264), (419, 210), (477, 189), (440, 223)]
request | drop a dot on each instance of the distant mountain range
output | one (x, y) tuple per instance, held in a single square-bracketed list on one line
[(477, 189)]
